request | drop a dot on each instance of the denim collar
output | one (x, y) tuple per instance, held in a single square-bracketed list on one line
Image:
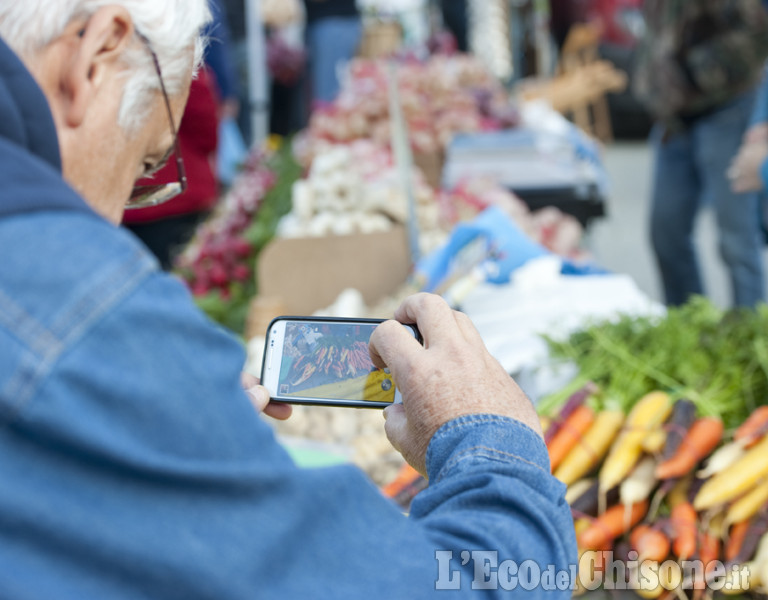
[(30, 162)]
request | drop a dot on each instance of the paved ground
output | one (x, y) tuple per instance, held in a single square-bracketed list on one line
[(620, 241)]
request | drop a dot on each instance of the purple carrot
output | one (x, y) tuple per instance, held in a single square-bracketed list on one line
[(588, 503), (695, 487), (757, 529), (576, 399), (683, 416)]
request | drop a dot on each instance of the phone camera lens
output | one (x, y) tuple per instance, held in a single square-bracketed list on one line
[(386, 385)]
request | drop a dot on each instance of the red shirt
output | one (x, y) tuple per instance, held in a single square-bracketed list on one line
[(198, 138)]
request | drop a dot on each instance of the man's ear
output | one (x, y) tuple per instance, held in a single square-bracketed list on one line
[(97, 60)]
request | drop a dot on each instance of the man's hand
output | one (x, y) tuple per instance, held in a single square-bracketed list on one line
[(757, 133), (260, 398), (744, 171), (451, 375)]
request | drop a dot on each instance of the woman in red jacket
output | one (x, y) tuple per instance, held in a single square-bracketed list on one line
[(167, 227)]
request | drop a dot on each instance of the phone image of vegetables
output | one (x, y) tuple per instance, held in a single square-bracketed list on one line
[(312, 360)]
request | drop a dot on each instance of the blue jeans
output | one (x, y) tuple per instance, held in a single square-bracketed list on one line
[(331, 43), (690, 170)]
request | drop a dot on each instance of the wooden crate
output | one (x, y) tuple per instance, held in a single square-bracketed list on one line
[(381, 39)]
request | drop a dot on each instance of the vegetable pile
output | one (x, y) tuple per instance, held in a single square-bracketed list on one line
[(663, 445), (336, 359), (218, 264), (441, 97), (718, 359)]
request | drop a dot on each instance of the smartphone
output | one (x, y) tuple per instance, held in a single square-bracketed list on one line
[(325, 361)]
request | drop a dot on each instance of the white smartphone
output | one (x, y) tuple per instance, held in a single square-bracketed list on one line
[(325, 361)]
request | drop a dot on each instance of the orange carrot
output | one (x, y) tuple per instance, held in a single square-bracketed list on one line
[(703, 436), (405, 477), (683, 525), (754, 427), (649, 543), (709, 550), (611, 524), (571, 431), (736, 539)]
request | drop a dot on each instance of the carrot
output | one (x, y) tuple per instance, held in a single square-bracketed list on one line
[(405, 477), (734, 481), (581, 524), (662, 577), (709, 550), (545, 423), (655, 441), (588, 503), (735, 540), (721, 459), (755, 427), (649, 412), (703, 436), (649, 543), (611, 524), (577, 489), (640, 483), (682, 417), (758, 528), (683, 530), (679, 493), (591, 448), (570, 434), (749, 504), (576, 400)]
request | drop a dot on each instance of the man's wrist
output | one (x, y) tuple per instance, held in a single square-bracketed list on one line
[(462, 442)]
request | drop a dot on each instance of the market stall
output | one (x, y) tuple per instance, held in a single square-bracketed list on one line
[(654, 419)]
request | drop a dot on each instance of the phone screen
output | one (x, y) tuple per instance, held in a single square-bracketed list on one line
[(325, 360)]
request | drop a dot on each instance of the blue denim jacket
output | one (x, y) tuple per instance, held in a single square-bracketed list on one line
[(132, 465)]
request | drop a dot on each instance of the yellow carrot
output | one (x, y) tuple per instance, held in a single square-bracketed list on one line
[(747, 506), (679, 493), (649, 412), (581, 525), (734, 481), (577, 488), (545, 423), (591, 448), (654, 441)]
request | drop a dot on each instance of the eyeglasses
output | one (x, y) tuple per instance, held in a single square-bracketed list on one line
[(152, 195)]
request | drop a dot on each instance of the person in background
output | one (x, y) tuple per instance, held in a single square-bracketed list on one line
[(166, 228), (749, 169), (284, 25), (219, 57), (133, 462), (334, 30), (455, 19), (699, 65), (235, 14), (561, 19), (220, 60)]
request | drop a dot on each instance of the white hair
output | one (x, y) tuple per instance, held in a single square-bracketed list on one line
[(172, 27)]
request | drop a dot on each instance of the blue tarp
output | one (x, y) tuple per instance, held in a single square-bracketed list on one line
[(506, 246)]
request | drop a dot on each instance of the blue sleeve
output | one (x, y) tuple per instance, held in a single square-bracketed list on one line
[(760, 109), (218, 54), (140, 469), (764, 174)]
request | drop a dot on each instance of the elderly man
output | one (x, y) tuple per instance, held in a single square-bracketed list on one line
[(133, 463)]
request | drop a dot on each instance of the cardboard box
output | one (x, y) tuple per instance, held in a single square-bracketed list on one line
[(431, 165), (304, 275), (381, 39)]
